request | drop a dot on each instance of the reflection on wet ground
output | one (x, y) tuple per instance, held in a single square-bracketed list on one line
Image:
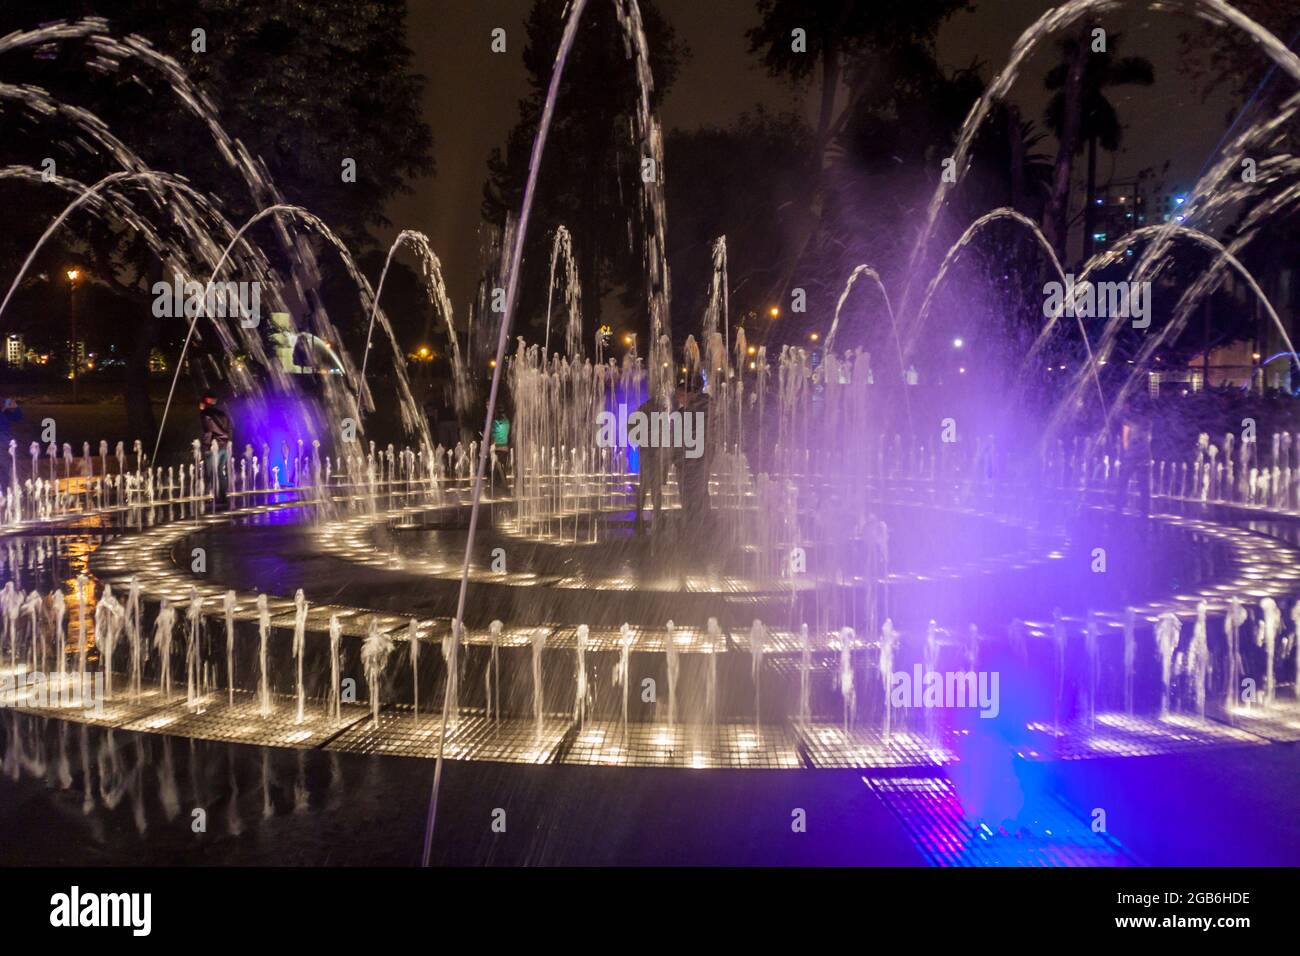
[(78, 795), (40, 562)]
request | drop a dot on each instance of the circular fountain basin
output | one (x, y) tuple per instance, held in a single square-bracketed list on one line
[(388, 568)]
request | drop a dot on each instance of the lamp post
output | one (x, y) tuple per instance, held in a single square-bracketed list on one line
[(73, 275)]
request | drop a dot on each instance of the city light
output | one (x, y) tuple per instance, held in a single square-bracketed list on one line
[(774, 312), (74, 275)]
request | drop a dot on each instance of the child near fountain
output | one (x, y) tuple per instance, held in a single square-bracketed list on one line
[(500, 435)]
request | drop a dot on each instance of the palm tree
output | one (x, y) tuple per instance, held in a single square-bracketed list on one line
[(1098, 122), (844, 39), (1013, 147)]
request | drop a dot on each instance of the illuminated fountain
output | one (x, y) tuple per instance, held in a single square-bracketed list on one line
[(767, 634)]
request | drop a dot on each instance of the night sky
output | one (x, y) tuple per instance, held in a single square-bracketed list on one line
[(472, 96)]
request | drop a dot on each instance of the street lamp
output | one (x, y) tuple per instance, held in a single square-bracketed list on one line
[(774, 312), (73, 275)]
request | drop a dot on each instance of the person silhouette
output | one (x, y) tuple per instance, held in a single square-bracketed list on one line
[(214, 442)]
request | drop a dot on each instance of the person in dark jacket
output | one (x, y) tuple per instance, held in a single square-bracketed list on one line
[(693, 471), (216, 429), (10, 416), (1135, 452), (653, 464)]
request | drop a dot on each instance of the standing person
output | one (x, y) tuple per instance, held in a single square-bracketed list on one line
[(500, 436), (216, 428), (10, 416), (446, 430), (1136, 441), (652, 462), (693, 472), (432, 413), (501, 430)]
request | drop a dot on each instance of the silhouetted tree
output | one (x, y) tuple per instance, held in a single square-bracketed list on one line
[(1098, 122), (736, 181), (302, 85), (837, 45), (590, 177)]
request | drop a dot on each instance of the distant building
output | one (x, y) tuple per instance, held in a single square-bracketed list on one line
[(1168, 206), (1121, 208), (14, 351), (1232, 365)]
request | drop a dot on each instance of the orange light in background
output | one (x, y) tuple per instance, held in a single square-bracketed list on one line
[(774, 312), (753, 350), (74, 275), (814, 336)]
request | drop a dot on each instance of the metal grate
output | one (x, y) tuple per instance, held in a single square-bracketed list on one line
[(469, 737), (1127, 735), (698, 746), (1278, 721), (117, 711), (214, 718), (827, 745), (1049, 834)]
